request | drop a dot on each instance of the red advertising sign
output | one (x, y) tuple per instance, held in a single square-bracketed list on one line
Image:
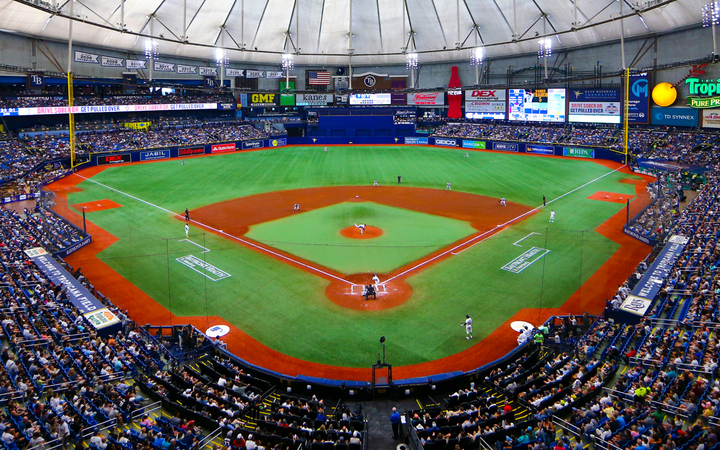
[(426, 98), (455, 97), (222, 148), (113, 159), (191, 151)]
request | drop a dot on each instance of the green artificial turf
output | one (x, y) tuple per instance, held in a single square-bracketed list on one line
[(315, 236), (286, 308)]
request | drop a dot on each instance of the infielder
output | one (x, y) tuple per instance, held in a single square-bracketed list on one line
[(187, 230), (376, 183), (448, 187), (468, 327), (361, 227), (552, 216), (502, 201), (296, 208)]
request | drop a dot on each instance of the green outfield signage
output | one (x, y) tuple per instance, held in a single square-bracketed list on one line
[(579, 152), (474, 144), (706, 88)]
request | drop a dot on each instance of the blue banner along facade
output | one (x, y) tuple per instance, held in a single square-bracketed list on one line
[(540, 149), (416, 140), (90, 307), (650, 284), (676, 117)]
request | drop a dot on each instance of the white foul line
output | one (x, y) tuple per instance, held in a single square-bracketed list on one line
[(502, 225), (221, 232), (516, 243)]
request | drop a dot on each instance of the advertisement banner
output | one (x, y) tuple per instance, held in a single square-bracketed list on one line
[(135, 64), (644, 239), (264, 100), (287, 99), (226, 106), (108, 61), (278, 142), (416, 140), (186, 70), (113, 159), (540, 149), (234, 72), (579, 152), (252, 144), (274, 74), (595, 95), (86, 57), (79, 296), (191, 151), (505, 146), (65, 252), (711, 118), (157, 154), (254, 73), (222, 148), (370, 99), (638, 99), (398, 99), (313, 99), (473, 144), (163, 67), (50, 110), (426, 98), (536, 105), (486, 95), (342, 99), (446, 142), (208, 71), (651, 282), (679, 117)]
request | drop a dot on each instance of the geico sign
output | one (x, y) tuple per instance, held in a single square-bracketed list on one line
[(450, 142), (262, 98)]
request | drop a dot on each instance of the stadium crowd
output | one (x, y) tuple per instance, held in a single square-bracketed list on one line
[(46, 101)]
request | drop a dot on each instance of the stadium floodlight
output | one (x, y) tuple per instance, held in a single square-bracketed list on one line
[(151, 49), (412, 61), (476, 56), (221, 57), (288, 61), (545, 48), (711, 14)]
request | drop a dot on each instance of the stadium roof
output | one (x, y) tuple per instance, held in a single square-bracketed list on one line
[(319, 34)]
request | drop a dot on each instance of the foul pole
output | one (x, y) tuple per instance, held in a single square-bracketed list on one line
[(626, 114)]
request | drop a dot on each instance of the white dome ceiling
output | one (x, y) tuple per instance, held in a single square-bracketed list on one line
[(318, 30)]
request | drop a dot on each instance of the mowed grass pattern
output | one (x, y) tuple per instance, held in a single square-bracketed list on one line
[(286, 308)]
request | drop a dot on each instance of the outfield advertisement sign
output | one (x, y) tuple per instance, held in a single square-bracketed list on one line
[(314, 99), (277, 142), (158, 154), (711, 118), (113, 159), (649, 286), (446, 142), (426, 98), (474, 144), (252, 144), (540, 149), (579, 152), (638, 98), (191, 151), (485, 104), (78, 295), (677, 117), (505, 146), (222, 148), (594, 105), (416, 140)]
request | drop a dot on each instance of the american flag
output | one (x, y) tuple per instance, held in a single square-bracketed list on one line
[(319, 78)]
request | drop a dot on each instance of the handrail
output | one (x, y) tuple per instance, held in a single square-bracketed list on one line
[(210, 437), (145, 409)]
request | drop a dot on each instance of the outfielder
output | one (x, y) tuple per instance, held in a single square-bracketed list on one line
[(468, 327), (552, 216), (448, 187), (467, 155), (325, 149), (187, 230)]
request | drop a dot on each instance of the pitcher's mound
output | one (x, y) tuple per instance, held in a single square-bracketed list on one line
[(354, 232)]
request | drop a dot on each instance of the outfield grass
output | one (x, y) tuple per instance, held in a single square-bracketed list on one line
[(286, 308)]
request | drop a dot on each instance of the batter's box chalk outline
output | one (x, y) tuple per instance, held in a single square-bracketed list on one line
[(192, 262), (357, 289), (205, 250), (525, 260)]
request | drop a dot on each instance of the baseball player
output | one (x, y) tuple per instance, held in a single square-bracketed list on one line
[(552, 216), (448, 187), (544, 201), (502, 201), (325, 149), (468, 327), (296, 208), (182, 162), (467, 155), (376, 280), (361, 227), (187, 230), (376, 183)]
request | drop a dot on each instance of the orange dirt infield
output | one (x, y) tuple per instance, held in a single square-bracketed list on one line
[(354, 232), (589, 297), (97, 205), (613, 197)]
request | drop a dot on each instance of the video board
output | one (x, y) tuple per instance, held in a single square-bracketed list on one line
[(537, 105)]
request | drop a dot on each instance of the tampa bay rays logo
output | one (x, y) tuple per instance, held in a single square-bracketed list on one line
[(578, 94), (640, 88), (369, 81)]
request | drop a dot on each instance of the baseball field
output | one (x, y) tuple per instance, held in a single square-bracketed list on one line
[(289, 283)]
